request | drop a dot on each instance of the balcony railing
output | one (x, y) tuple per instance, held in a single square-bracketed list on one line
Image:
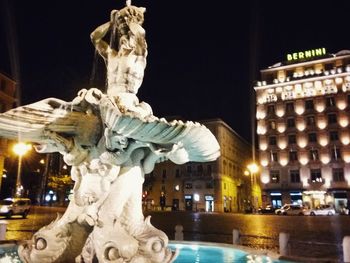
[(317, 183)]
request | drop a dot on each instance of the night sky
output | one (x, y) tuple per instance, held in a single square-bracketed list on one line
[(203, 55)]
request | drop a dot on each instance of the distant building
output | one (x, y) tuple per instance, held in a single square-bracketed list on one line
[(219, 186), (7, 100), (302, 116)]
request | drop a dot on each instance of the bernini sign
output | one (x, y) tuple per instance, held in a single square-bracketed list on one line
[(306, 54)]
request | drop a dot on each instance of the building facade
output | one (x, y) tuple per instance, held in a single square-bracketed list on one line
[(302, 115), (7, 100), (219, 186)]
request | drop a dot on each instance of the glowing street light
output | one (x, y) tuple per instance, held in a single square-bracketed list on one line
[(20, 149), (253, 168)]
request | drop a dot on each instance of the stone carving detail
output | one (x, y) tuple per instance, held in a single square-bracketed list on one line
[(111, 141)]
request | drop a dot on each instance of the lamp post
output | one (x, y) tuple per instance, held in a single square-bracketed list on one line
[(20, 149), (252, 169)]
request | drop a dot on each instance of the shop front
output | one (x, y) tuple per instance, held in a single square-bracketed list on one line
[(188, 203), (209, 203), (341, 200), (314, 198), (296, 197), (276, 199)]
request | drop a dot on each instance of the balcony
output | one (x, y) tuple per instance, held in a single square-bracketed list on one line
[(316, 184)]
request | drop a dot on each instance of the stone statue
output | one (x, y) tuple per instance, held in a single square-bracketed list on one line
[(111, 141)]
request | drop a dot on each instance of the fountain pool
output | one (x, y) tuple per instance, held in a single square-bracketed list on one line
[(189, 252), (205, 252)]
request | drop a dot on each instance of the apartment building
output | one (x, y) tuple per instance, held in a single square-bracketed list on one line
[(219, 186)]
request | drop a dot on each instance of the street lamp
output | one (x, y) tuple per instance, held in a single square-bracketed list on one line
[(20, 149), (252, 169)]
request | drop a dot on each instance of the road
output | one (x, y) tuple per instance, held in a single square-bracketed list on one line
[(319, 236), (19, 229), (259, 231)]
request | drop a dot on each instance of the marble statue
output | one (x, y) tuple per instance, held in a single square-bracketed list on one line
[(111, 140)]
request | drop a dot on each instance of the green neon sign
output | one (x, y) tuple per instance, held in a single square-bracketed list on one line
[(306, 54)]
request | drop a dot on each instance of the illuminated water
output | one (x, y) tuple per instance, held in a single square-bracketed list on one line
[(193, 253), (189, 253)]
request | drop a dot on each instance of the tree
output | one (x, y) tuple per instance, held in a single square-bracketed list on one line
[(61, 184)]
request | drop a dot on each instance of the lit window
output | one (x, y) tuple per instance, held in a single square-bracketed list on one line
[(188, 185), (275, 176)]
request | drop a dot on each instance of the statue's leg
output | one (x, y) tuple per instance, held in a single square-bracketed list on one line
[(122, 190)]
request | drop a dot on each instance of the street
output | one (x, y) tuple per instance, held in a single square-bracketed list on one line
[(259, 231), (19, 229), (325, 233)]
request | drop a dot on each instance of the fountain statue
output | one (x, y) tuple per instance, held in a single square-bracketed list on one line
[(111, 141)]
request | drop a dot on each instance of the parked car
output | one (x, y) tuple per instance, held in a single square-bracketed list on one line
[(291, 209), (324, 210), (15, 206), (269, 209)]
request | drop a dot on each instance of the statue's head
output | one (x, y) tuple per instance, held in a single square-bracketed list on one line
[(127, 15), (125, 70)]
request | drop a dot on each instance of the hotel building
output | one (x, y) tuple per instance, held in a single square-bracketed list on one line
[(302, 114), (219, 186)]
